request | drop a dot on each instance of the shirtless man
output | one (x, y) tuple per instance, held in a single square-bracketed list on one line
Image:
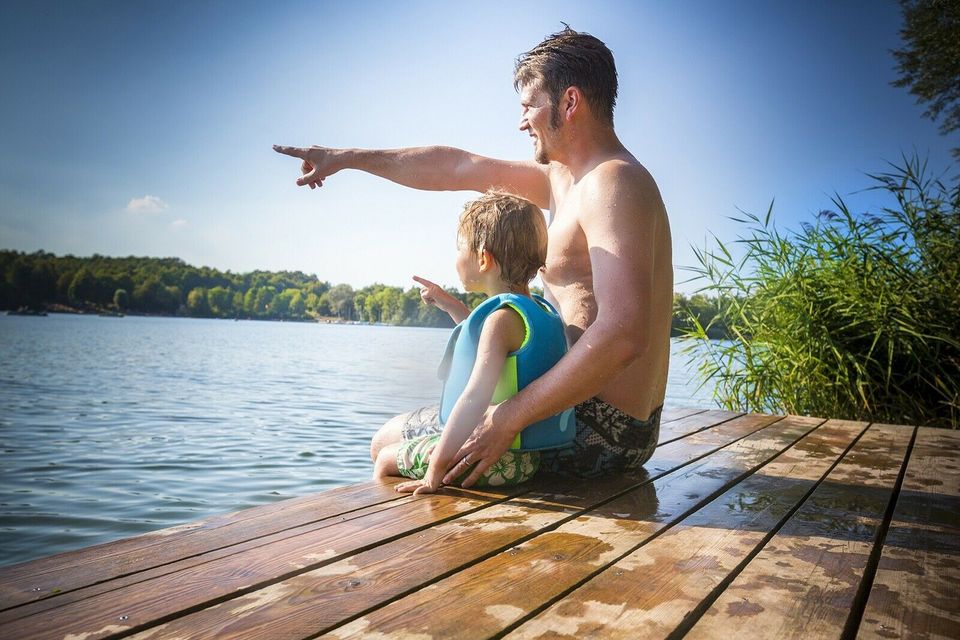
[(609, 264)]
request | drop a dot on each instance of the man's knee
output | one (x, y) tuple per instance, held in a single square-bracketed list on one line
[(388, 434)]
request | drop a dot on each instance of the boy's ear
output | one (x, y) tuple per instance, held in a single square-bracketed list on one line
[(486, 260)]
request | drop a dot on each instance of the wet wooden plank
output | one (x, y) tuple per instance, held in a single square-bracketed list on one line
[(505, 587), (671, 414), (61, 573), (127, 562), (147, 601), (691, 424), (652, 590), (251, 546), (805, 580), (320, 599), (916, 590)]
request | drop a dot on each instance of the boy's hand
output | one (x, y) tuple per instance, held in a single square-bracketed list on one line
[(434, 294), (416, 487), (318, 163), (431, 292)]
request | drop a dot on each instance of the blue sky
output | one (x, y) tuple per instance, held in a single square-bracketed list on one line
[(143, 129)]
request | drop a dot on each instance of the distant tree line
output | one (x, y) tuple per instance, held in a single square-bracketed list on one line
[(169, 286)]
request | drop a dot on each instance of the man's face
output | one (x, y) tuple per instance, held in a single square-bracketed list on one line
[(539, 118)]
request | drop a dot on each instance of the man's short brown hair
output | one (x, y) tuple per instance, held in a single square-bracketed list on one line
[(511, 229), (572, 59)]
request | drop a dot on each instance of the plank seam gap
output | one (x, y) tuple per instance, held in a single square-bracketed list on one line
[(547, 529), (694, 615), (859, 604), (704, 501)]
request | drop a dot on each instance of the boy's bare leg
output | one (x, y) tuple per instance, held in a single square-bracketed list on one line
[(389, 433), (386, 462)]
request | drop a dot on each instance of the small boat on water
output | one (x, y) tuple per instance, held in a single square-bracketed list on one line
[(110, 314)]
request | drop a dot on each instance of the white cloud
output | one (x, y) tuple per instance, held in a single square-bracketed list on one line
[(147, 204), (179, 223)]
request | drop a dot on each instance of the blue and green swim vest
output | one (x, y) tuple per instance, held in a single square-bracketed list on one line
[(544, 345)]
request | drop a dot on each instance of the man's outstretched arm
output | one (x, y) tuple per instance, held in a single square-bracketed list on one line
[(428, 168), (620, 232)]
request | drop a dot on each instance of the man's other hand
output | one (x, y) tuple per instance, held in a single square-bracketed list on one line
[(486, 444)]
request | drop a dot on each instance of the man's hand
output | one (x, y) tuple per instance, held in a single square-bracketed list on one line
[(486, 444), (432, 293), (318, 163)]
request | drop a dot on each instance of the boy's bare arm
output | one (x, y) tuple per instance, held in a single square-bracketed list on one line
[(429, 168), (503, 332)]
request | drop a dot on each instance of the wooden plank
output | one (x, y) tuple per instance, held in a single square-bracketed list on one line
[(671, 414), (143, 602), (122, 582), (302, 605), (805, 580), (320, 599), (503, 588), (139, 553), (650, 591), (191, 542), (916, 590), (685, 426), (61, 573), (747, 426)]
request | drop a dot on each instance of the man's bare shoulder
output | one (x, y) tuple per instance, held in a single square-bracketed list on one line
[(623, 183)]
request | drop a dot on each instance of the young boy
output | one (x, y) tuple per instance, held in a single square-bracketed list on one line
[(497, 349)]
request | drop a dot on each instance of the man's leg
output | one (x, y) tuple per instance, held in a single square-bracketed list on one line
[(608, 441)]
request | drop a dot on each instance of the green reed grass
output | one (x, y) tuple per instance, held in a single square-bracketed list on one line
[(853, 316)]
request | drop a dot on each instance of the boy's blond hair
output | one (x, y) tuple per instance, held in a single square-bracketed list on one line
[(511, 229)]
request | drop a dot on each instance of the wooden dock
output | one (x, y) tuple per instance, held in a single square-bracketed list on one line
[(743, 526)]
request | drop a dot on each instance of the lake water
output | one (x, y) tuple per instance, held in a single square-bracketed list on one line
[(110, 427)]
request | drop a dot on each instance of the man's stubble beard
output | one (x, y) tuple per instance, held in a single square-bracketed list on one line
[(541, 156)]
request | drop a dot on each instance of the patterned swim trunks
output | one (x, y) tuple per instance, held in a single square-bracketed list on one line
[(513, 467), (608, 441), (421, 422), (421, 431)]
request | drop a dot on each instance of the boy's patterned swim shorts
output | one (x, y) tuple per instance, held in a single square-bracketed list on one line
[(513, 467)]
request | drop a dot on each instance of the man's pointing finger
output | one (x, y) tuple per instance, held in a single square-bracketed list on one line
[(296, 152)]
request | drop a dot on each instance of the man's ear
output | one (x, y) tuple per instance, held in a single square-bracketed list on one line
[(571, 101)]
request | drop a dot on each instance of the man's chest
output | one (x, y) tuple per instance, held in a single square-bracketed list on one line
[(568, 257)]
